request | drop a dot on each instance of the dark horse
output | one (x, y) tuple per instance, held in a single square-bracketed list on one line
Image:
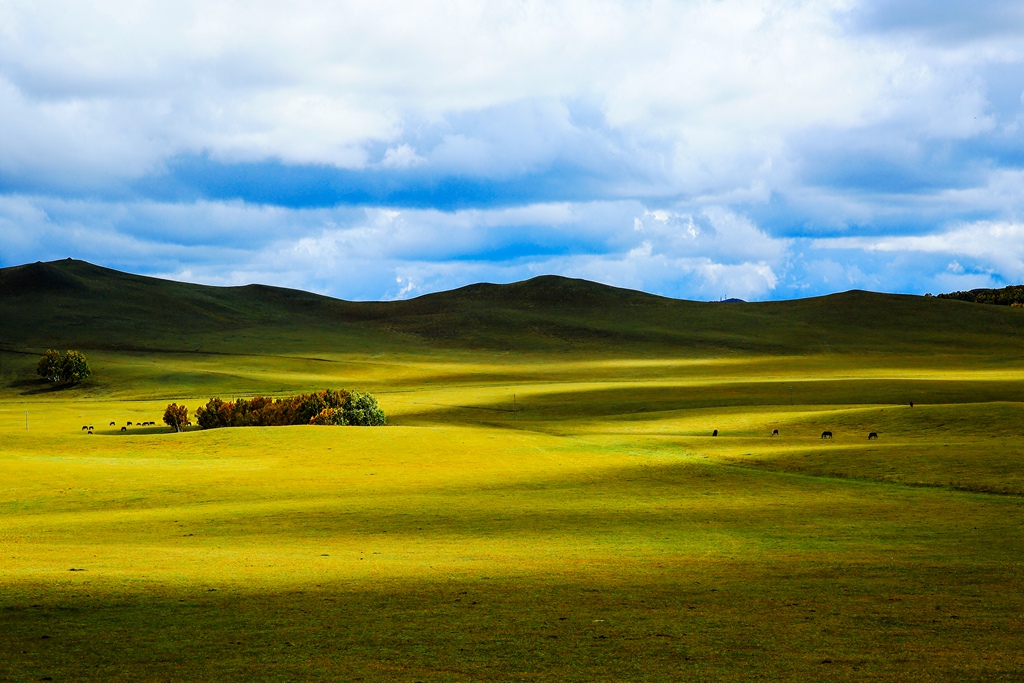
[(714, 433), (826, 435), (775, 432), (872, 435)]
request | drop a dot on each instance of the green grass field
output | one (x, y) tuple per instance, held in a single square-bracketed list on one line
[(590, 529)]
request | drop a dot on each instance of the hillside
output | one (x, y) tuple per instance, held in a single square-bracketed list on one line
[(76, 304), (576, 483)]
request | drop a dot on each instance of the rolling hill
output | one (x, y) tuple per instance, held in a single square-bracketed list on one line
[(72, 303), (577, 483)]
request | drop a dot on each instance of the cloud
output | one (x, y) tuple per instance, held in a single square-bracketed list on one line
[(714, 232), (753, 148), (997, 244), (705, 253), (703, 256), (402, 156), (688, 97), (945, 20)]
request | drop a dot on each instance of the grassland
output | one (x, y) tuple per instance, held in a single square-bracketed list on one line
[(591, 530)]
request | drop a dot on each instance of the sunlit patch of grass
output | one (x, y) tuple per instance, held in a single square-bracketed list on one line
[(589, 529)]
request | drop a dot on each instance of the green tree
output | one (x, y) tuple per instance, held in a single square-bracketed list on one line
[(49, 366), (176, 416), (71, 368), (74, 368), (362, 410), (208, 416)]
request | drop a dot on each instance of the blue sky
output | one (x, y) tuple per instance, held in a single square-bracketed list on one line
[(697, 149)]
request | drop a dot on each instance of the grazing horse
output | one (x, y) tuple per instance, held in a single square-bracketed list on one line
[(129, 424), (872, 435), (111, 424), (775, 432), (124, 429), (714, 433), (85, 426), (826, 435)]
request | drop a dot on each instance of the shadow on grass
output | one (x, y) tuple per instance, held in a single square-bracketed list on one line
[(729, 621), (635, 402), (32, 387)]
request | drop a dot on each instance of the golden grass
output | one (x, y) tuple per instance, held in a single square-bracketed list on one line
[(600, 533)]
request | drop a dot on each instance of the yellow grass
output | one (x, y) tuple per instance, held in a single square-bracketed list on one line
[(592, 530)]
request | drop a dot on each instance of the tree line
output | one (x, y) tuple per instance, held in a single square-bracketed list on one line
[(326, 407), (1007, 296)]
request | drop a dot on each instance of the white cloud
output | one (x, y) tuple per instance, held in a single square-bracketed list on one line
[(718, 86), (714, 232), (382, 252), (999, 244), (359, 253), (402, 156), (641, 144)]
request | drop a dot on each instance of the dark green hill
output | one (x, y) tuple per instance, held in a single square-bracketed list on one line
[(73, 304)]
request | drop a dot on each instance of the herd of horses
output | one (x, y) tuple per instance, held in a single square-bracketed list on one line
[(774, 432), (825, 434), (88, 428)]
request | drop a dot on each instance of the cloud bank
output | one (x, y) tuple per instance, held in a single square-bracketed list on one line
[(703, 149)]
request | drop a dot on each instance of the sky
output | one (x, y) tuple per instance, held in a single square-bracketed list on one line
[(699, 149)]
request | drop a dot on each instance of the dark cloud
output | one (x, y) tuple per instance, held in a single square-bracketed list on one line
[(191, 177), (890, 160)]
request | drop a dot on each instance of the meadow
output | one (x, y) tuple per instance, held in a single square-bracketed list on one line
[(588, 529)]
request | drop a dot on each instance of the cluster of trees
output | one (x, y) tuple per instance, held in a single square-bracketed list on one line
[(326, 407), (1007, 296), (71, 368)]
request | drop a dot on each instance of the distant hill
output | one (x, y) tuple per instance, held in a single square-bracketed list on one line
[(1007, 296), (74, 304)]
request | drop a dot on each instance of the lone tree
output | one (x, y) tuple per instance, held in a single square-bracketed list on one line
[(176, 417), (71, 368)]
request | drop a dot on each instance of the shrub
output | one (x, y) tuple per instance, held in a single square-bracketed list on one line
[(329, 416)]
